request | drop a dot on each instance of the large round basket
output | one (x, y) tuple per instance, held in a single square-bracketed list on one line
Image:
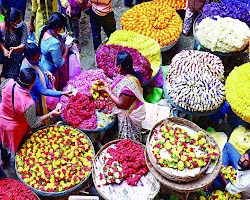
[(95, 176), (57, 194), (191, 125), (193, 186), (194, 113), (170, 46), (152, 78), (195, 29)]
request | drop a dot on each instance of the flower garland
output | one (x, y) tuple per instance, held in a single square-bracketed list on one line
[(229, 173), (176, 4), (220, 195), (223, 35), (12, 189), (195, 62), (154, 19), (231, 9), (195, 92), (106, 60), (79, 110), (237, 91), (124, 162), (145, 45), (181, 148), (55, 159)]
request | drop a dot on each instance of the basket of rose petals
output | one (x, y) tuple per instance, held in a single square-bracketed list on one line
[(55, 160), (180, 150), (12, 189), (117, 162)]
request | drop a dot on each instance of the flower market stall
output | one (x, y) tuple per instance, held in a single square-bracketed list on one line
[(144, 51), (89, 109), (55, 160), (222, 29), (193, 83), (120, 167), (237, 91), (178, 152), (155, 19)]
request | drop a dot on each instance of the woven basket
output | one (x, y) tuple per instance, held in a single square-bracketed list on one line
[(178, 121), (56, 194), (94, 176)]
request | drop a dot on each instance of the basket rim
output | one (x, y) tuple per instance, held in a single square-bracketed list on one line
[(177, 120), (98, 154), (56, 194)]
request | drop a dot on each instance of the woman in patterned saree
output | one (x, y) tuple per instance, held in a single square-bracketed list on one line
[(127, 94)]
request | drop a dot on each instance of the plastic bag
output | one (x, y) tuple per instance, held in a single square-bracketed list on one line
[(74, 63), (240, 139), (32, 38), (155, 95)]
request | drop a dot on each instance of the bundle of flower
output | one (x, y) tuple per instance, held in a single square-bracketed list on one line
[(195, 62), (12, 189), (231, 9), (55, 159), (237, 91), (223, 34), (154, 19), (223, 195), (239, 3), (95, 90), (182, 148), (176, 4), (145, 45), (196, 92), (124, 162), (79, 110), (229, 173), (106, 60)]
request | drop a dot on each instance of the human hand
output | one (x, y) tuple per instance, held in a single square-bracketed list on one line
[(55, 112), (6, 53), (68, 10), (67, 93), (32, 27), (13, 49)]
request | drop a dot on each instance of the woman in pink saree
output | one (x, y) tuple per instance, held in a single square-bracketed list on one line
[(127, 94), (18, 112)]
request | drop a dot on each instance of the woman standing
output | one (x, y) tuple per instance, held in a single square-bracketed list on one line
[(44, 78), (54, 51), (15, 38), (18, 112), (127, 94), (42, 10)]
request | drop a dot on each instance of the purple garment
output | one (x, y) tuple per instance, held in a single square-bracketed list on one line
[(76, 8), (125, 90)]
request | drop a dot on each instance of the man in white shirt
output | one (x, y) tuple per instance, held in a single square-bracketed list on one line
[(242, 164)]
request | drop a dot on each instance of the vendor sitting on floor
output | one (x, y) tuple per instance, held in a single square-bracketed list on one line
[(242, 164)]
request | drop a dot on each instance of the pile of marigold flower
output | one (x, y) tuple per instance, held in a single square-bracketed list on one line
[(237, 91), (176, 4), (145, 45), (124, 162), (154, 19), (12, 189), (55, 159)]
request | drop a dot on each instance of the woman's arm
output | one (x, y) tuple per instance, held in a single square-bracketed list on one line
[(56, 54), (122, 102), (36, 121), (5, 51), (2, 85), (23, 40)]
